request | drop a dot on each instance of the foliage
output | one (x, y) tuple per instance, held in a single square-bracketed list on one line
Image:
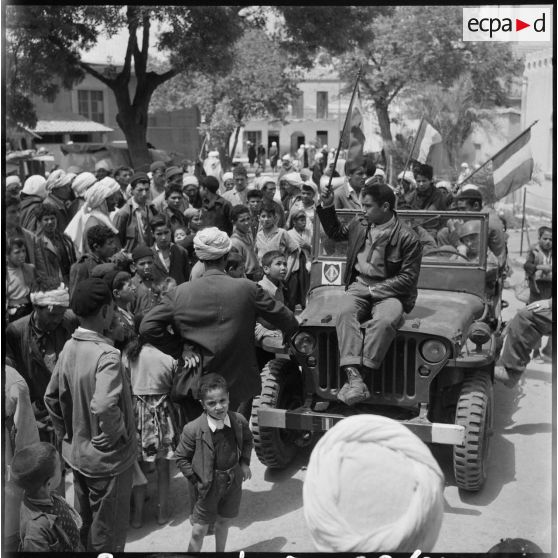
[(48, 40), (417, 45), (259, 84)]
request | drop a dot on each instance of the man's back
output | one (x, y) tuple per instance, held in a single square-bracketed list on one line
[(218, 314)]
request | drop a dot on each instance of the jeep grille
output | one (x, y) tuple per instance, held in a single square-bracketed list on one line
[(395, 380)]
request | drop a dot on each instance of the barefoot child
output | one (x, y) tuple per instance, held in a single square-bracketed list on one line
[(48, 522), (214, 455)]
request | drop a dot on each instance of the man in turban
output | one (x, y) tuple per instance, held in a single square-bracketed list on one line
[(216, 315), (34, 342), (60, 196), (32, 195), (13, 185), (372, 486), (81, 183)]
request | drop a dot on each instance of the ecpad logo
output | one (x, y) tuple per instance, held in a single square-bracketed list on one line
[(506, 23)]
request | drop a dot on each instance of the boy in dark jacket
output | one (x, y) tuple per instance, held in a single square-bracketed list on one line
[(214, 455), (48, 522)]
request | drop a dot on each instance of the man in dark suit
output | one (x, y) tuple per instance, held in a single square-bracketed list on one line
[(216, 315)]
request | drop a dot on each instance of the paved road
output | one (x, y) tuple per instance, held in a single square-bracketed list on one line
[(515, 502)]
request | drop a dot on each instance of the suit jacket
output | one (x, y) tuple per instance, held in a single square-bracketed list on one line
[(23, 352), (49, 262), (218, 314), (195, 452), (403, 256), (126, 223), (179, 266)]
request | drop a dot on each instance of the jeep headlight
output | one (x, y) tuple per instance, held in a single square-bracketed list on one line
[(433, 351), (304, 342)]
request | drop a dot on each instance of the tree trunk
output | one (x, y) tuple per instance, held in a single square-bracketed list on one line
[(132, 119), (236, 133), (385, 129)]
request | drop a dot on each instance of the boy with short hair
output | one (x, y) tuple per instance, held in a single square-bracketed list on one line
[(538, 266), (270, 236), (47, 522), (214, 455), (144, 279), (21, 279), (169, 259), (102, 242), (243, 241), (255, 202), (89, 401), (274, 265)]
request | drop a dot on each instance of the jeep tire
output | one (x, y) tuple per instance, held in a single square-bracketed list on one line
[(474, 411), (281, 389)]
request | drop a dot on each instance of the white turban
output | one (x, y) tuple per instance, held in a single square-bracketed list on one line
[(99, 192), (82, 182), (189, 179), (12, 179), (211, 244), (56, 297), (228, 176), (407, 175), (67, 178), (292, 178), (372, 485), (55, 180), (35, 186)]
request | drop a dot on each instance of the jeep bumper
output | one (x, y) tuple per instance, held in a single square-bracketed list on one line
[(308, 420)]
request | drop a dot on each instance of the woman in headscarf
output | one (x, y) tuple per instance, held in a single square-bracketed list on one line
[(81, 183), (100, 199), (32, 196)]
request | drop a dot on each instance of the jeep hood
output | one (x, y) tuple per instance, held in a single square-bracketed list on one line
[(442, 313)]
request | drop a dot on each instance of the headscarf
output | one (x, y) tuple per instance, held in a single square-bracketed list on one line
[(35, 186), (292, 178), (211, 244), (94, 206), (12, 179), (55, 297), (82, 182), (55, 180), (189, 179), (228, 176), (372, 485)]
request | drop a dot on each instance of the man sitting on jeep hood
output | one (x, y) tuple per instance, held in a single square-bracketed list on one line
[(383, 265)]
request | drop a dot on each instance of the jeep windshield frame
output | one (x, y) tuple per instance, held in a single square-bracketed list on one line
[(442, 269)]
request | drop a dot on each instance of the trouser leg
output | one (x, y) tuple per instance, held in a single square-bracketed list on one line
[(110, 504), (355, 307), (81, 503), (387, 317), (524, 332)]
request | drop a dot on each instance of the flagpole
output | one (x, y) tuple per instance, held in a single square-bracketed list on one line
[(522, 222), (343, 131), (496, 155), (414, 144)]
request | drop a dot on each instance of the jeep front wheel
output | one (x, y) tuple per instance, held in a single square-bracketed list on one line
[(474, 411), (281, 389)]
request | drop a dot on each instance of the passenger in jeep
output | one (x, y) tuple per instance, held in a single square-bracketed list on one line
[(383, 265)]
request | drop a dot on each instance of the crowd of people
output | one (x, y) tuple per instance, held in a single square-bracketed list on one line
[(141, 307)]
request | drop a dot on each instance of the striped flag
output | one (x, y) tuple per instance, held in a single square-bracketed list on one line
[(512, 167), (427, 136), (353, 136)]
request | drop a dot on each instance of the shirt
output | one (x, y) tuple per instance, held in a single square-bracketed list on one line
[(370, 260), (276, 239), (244, 243), (164, 260), (215, 424), (152, 372), (235, 197), (17, 289)]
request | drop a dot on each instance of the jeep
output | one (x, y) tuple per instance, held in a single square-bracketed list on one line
[(437, 376)]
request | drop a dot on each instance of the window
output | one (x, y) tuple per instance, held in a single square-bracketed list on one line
[(322, 138), (91, 105), (298, 106), (254, 137), (321, 104)]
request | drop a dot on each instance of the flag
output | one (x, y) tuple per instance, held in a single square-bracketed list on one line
[(427, 136), (353, 135), (512, 167)]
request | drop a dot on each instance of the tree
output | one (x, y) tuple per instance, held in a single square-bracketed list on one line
[(259, 84), (48, 41), (418, 45)]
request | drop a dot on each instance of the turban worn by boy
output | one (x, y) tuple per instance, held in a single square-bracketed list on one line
[(211, 244), (35, 186), (54, 297), (372, 485)]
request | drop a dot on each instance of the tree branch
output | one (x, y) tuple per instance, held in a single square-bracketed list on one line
[(132, 42), (395, 92), (90, 70)]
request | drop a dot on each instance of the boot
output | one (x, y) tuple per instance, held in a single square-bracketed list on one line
[(354, 390)]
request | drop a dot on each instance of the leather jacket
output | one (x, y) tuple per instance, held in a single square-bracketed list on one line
[(403, 256)]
